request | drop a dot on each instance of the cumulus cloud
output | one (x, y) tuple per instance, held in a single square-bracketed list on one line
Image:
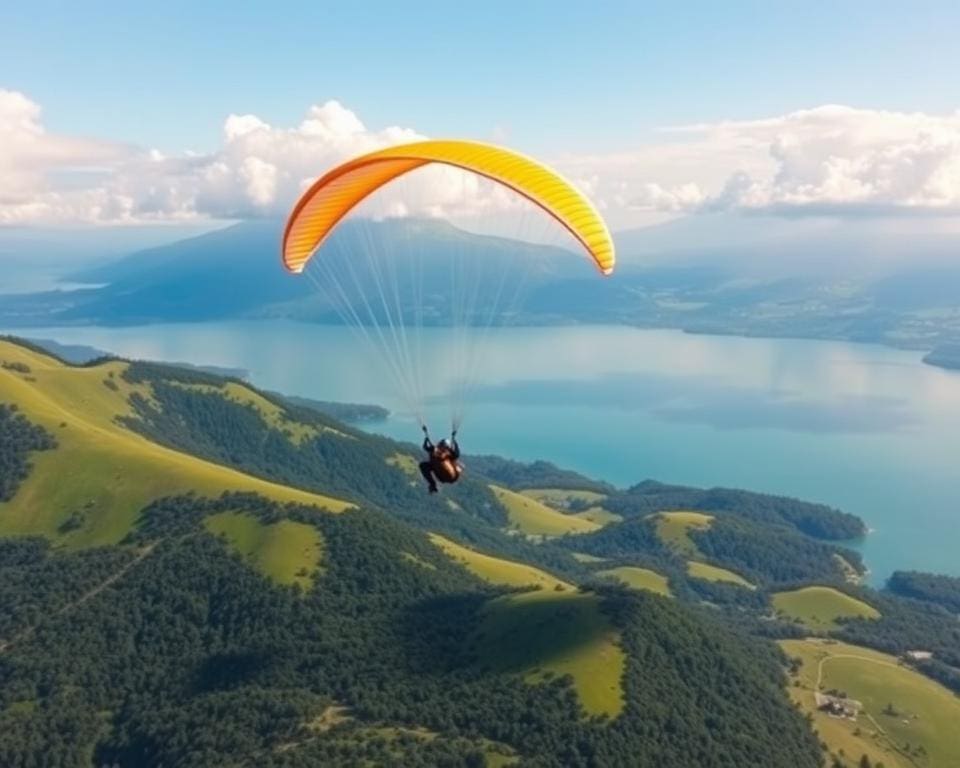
[(828, 160), (258, 170), (832, 159)]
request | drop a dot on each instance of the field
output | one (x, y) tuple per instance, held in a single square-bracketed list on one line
[(496, 570), (287, 552), (818, 608), (639, 578), (404, 462), (598, 515), (102, 473), (926, 714), (543, 634), (533, 517), (713, 573), (674, 528), (561, 499)]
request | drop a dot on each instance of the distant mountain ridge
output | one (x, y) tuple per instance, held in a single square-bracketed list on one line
[(236, 272), (722, 275)]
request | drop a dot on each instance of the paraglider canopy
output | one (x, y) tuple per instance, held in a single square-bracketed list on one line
[(338, 191), (386, 284)]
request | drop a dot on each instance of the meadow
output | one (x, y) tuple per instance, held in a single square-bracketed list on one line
[(546, 634), (287, 552), (698, 570), (907, 720), (639, 578), (101, 474), (534, 518), (820, 608)]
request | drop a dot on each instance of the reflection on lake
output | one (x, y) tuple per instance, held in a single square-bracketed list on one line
[(868, 429)]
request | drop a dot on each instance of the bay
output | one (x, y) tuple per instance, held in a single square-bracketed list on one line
[(868, 429)]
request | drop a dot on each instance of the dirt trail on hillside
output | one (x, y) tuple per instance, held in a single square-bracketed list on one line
[(113, 578)]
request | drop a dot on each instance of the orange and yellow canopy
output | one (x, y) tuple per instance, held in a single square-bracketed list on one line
[(332, 197)]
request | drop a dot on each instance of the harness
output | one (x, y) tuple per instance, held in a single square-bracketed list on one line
[(446, 468)]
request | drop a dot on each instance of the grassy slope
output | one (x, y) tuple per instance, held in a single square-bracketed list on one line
[(535, 518), (713, 573), (673, 528), (404, 462), (598, 515), (287, 552), (101, 469), (496, 570), (818, 608), (876, 679), (583, 557), (537, 634), (639, 578), (270, 412), (559, 498)]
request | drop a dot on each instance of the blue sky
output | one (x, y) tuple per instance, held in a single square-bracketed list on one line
[(551, 76), (783, 108)]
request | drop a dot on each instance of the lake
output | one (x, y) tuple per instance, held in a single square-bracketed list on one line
[(868, 429)]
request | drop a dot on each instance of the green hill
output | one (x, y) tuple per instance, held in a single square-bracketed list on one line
[(497, 570), (674, 528), (584, 504), (535, 518), (285, 551), (541, 635), (819, 608), (707, 572), (101, 473), (639, 578)]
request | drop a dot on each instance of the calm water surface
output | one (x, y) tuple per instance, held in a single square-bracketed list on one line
[(868, 429)]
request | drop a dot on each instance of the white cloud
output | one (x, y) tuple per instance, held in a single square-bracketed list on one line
[(258, 170), (831, 159)]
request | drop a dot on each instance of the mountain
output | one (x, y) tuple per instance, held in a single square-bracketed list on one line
[(40, 259), (768, 247), (756, 276), (235, 272), (194, 573)]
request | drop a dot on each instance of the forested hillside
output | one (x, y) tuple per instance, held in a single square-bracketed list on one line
[(193, 573)]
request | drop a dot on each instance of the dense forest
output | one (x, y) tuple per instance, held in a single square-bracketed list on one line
[(18, 437), (932, 587), (816, 520), (771, 554), (764, 554), (194, 659)]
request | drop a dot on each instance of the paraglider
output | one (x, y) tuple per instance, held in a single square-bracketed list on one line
[(443, 461), (387, 306)]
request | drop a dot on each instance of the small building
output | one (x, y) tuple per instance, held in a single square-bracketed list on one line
[(836, 706)]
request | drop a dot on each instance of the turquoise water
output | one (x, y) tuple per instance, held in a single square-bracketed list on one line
[(868, 429)]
